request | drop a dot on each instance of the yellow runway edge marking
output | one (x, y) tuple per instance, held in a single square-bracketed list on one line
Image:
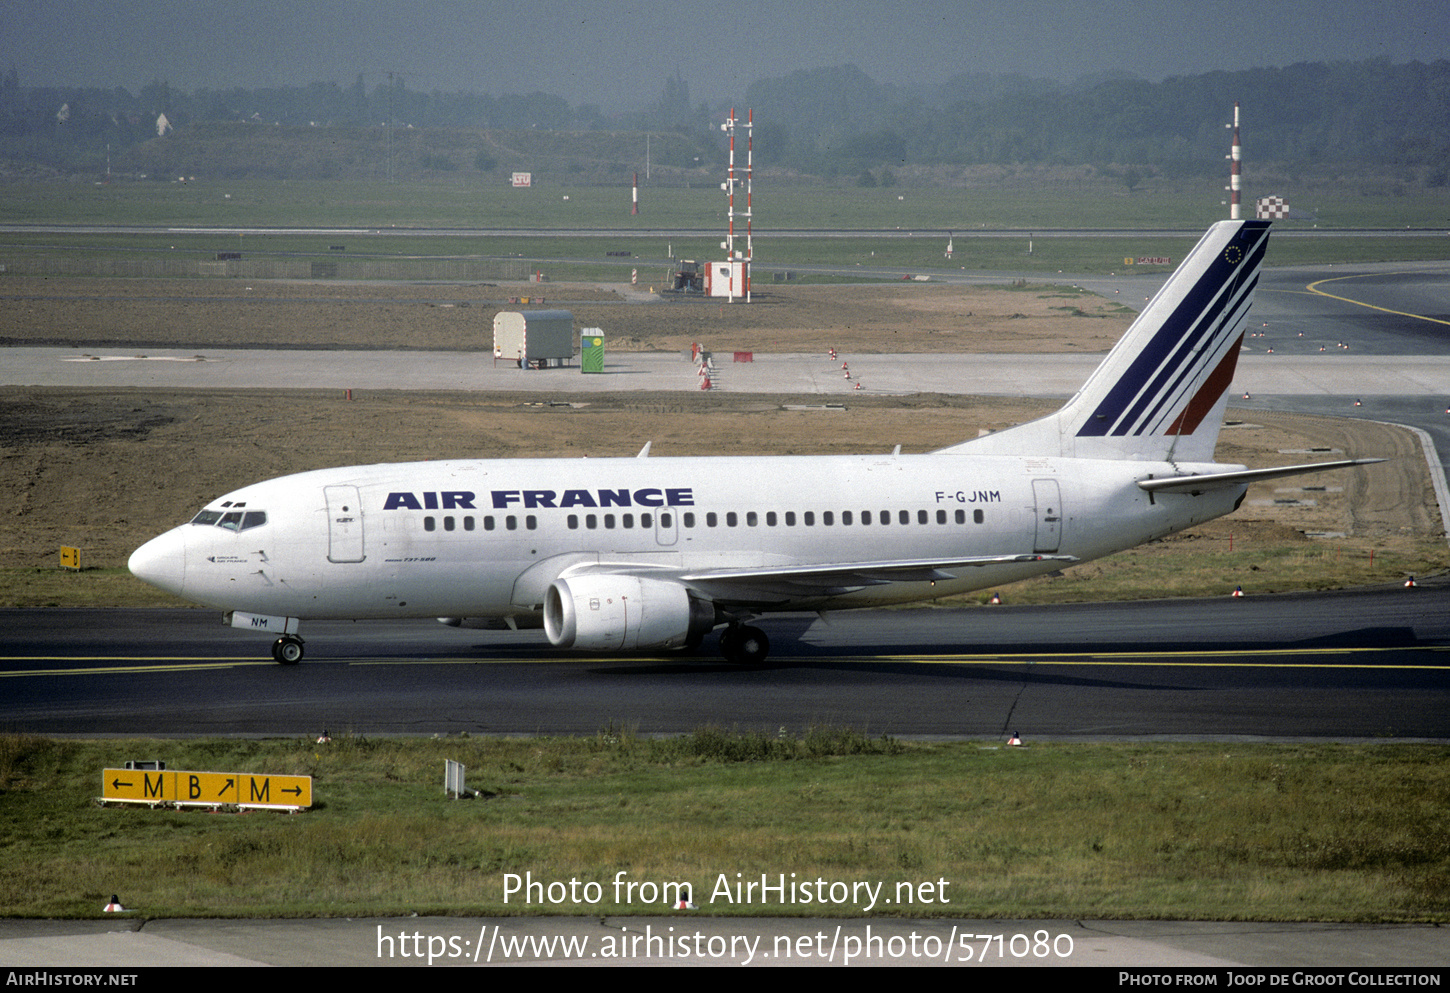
[(1216, 658), (152, 664)]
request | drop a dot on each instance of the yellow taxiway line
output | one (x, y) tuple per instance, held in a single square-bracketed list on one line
[(1273, 658), (1314, 288)]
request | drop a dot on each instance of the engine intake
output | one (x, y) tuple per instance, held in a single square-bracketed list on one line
[(609, 613)]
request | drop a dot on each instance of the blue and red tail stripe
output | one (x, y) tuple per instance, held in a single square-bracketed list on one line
[(1176, 379)]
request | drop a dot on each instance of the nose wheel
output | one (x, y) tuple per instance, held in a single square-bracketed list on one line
[(287, 649)]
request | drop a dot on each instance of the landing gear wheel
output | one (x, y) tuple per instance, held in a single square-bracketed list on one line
[(287, 650), (744, 645)]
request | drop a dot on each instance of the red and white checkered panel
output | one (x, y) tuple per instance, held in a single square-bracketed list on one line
[(1271, 209)]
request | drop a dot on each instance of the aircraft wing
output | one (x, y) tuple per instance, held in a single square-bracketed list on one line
[(827, 579), (1216, 480)]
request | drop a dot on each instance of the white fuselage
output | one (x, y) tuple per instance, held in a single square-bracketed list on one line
[(476, 538)]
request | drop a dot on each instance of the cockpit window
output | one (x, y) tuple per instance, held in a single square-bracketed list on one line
[(232, 520)]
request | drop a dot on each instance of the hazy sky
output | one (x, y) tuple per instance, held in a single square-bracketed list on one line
[(617, 53)]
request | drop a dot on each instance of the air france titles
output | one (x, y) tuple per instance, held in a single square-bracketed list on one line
[(553, 499)]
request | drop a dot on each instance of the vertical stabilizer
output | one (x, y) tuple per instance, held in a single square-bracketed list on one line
[(1160, 393)]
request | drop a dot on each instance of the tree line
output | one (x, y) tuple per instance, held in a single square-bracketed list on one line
[(834, 120)]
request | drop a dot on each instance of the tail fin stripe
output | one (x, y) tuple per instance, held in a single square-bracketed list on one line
[(1187, 422), (1193, 349), (1228, 290), (1194, 335), (1164, 356), (1192, 369)]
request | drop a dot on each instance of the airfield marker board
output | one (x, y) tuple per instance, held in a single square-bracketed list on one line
[(181, 788)]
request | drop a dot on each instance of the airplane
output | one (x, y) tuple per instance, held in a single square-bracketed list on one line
[(649, 553)]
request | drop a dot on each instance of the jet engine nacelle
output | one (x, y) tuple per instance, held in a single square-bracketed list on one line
[(608, 613)]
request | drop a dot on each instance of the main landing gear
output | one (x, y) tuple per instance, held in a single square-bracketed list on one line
[(742, 644), (287, 649)]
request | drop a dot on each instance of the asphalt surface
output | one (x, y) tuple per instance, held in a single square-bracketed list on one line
[(1364, 665)]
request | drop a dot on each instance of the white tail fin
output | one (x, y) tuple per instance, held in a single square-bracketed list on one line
[(1160, 393)]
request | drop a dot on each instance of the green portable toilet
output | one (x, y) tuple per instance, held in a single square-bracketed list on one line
[(591, 350)]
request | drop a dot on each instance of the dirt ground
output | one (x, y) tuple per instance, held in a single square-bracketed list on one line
[(194, 313), (106, 470)]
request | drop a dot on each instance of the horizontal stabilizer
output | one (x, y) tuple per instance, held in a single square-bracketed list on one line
[(1218, 480)]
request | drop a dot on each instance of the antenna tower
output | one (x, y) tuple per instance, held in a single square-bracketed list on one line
[(1235, 163), (734, 257)]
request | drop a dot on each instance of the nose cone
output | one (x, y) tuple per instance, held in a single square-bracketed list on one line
[(162, 561)]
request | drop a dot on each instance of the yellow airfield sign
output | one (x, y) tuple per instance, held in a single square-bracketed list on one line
[(138, 785), (181, 788)]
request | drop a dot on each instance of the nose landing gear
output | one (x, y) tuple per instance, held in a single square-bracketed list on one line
[(287, 649)]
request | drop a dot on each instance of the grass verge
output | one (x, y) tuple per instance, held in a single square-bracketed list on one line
[(1177, 831)]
